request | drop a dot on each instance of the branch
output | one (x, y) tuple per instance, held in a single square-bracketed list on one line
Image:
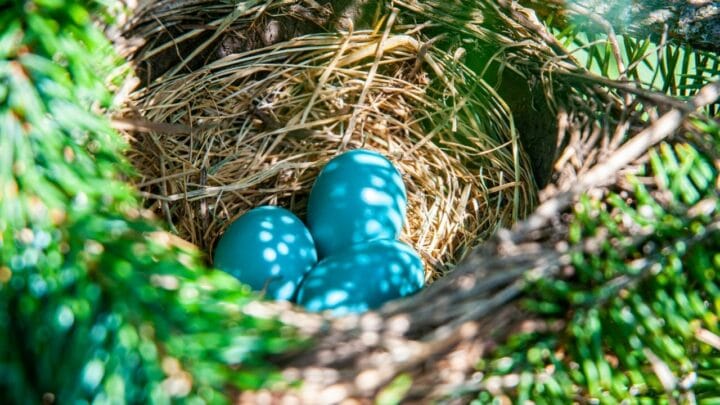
[(604, 173), (694, 23)]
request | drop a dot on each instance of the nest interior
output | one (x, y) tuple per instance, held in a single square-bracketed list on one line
[(256, 127)]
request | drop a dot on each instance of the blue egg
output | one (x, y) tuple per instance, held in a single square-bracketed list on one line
[(267, 248), (361, 278), (359, 196)]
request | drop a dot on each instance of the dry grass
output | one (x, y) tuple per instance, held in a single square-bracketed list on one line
[(256, 128)]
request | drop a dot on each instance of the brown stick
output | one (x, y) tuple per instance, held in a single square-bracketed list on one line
[(604, 173)]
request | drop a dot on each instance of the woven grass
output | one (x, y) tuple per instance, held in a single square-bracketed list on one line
[(602, 127), (255, 128)]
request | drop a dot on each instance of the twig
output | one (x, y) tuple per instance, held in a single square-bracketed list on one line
[(143, 125), (662, 371), (605, 173)]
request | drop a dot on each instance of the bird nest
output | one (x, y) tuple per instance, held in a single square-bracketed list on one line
[(235, 112), (255, 128)]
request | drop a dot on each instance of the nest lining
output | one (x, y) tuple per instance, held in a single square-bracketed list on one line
[(260, 126)]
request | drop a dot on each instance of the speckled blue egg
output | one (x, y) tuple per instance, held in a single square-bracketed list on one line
[(267, 248), (362, 277), (358, 196)]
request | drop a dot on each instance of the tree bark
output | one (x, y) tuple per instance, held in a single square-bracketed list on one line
[(695, 23)]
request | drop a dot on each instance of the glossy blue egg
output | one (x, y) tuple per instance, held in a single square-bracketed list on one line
[(267, 248), (362, 277), (359, 196)]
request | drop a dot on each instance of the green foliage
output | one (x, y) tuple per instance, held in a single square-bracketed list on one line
[(97, 303), (678, 71), (636, 320), (643, 300)]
